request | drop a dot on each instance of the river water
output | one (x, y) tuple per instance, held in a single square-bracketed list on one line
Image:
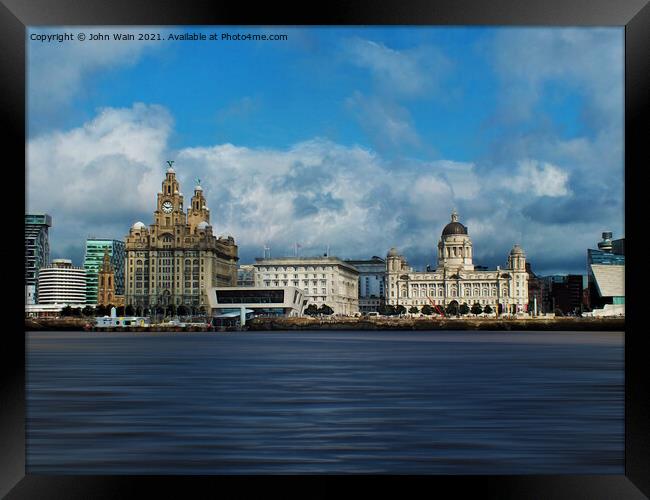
[(389, 402)]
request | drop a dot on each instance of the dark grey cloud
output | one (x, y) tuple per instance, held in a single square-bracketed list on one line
[(305, 205), (302, 177), (574, 210)]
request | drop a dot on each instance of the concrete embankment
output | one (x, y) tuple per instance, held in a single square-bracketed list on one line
[(555, 324), (78, 324), (57, 324), (270, 324)]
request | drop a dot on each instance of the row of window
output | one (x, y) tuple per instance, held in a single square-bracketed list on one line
[(167, 284), (298, 269), (166, 262), (480, 301), (453, 292), (294, 276)]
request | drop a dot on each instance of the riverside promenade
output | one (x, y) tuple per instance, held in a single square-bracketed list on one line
[(350, 323), (437, 323)]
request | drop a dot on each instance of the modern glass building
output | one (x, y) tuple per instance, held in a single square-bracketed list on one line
[(372, 282), (606, 286), (565, 292), (37, 252), (93, 263)]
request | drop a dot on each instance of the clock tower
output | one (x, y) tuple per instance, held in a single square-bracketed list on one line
[(170, 202), (174, 261)]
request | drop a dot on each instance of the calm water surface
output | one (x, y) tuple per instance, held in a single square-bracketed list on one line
[(325, 402)]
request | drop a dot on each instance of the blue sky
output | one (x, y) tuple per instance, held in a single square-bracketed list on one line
[(356, 138)]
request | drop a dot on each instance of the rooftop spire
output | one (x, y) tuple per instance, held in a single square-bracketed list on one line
[(106, 264)]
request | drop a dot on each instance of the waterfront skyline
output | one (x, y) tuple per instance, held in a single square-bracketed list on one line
[(359, 139)]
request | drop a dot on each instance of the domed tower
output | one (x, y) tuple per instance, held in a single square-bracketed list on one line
[(138, 234), (518, 286), (517, 259), (198, 211), (455, 247), (393, 262)]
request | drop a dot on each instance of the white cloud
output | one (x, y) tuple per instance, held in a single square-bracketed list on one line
[(387, 124), (461, 177), (410, 72), (539, 179), (588, 60), (108, 164), (101, 177)]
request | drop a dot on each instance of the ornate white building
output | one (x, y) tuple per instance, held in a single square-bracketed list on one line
[(324, 280), (455, 278)]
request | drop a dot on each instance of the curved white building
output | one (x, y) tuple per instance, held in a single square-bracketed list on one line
[(61, 283)]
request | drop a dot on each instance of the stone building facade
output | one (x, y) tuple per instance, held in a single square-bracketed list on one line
[(177, 259), (106, 287), (324, 280), (455, 280)]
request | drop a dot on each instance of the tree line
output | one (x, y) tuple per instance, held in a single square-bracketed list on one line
[(129, 310), (452, 309)]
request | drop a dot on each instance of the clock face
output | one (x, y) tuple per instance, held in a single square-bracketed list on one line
[(167, 207)]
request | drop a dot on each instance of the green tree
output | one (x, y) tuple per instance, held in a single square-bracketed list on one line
[(66, 311), (386, 310), (311, 310), (452, 308), (558, 312), (464, 309), (182, 310), (477, 309), (326, 310), (119, 310), (413, 310), (129, 311), (427, 310), (76, 311), (400, 309), (487, 309), (88, 311)]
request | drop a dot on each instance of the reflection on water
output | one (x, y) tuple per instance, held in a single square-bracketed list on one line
[(325, 402)]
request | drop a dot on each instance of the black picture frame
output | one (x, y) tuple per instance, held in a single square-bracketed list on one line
[(634, 15)]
